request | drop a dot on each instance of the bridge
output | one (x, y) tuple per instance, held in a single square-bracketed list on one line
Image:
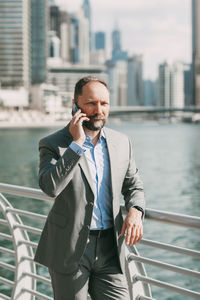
[(153, 110)]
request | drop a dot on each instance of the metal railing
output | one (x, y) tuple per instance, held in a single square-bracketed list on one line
[(24, 279)]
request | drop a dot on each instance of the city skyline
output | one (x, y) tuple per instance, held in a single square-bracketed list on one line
[(161, 30)]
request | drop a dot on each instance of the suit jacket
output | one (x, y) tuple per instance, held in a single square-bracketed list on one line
[(65, 175)]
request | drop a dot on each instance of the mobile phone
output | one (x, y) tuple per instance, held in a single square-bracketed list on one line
[(75, 108)]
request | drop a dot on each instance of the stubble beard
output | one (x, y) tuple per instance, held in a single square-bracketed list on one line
[(94, 125)]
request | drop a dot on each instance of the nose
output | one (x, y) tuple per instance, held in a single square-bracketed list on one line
[(98, 109)]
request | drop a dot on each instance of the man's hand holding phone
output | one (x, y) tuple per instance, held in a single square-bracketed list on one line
[(76, 126)]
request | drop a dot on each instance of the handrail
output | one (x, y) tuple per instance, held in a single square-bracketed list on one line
[(137, 274), (165, 266), (17, 190), (152, 214), (171, 248), (168, 286), (173, 218)]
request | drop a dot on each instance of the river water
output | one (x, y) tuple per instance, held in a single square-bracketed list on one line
[(168, 158)]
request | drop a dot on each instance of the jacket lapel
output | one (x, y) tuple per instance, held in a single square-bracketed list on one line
[(85, 168), (112, 152), (82, 162)]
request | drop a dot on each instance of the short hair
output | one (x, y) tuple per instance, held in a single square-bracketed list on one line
[(83, 81)]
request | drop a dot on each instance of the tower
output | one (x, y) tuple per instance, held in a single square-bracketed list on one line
[(87, 13), (100, 40), (135, 81), (39, 48), (15, 57), (196, 51), (164, 85), (117, 53)]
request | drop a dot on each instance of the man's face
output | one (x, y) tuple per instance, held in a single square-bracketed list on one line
[(94, 102)]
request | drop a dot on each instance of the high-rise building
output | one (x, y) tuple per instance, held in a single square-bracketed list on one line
[(150, 93), (177, 85), (100, 40), (171, 85), (55, 48), (66, 76), (188, 84), (55, 19), (98, 54), (87, 13), (65, 37), (79, 41), (15, 58), (39, 46), (117, 82), (135, 91), (164, 85), (117, 53), (196, 51)]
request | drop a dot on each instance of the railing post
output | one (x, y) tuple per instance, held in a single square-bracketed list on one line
[(21, 250)]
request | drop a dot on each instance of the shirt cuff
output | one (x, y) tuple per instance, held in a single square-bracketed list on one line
[(76, 148)]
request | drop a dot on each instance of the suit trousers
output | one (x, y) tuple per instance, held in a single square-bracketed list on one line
[(99, 273)]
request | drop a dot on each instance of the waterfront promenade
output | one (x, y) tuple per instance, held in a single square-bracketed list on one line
[(33, 118)]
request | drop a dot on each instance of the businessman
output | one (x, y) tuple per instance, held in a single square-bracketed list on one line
[(87, 167)]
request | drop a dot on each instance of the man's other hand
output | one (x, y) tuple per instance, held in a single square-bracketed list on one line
[(133, 227)]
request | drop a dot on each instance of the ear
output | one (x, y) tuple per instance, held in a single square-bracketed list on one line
[(73, 101)]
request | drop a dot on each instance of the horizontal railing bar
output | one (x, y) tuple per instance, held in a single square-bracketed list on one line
[(173, 218), (162, 265), (31, 259), (4, 297), (39, 278), (28, 243), (26, 213), (7, 266), (6, 281), (17, 190), (144, 298), (167, 286), (156, 215), (27, 258), (3, 222), (171, 248), (6, 250), (28, 228), (37, 294), (6, 236)]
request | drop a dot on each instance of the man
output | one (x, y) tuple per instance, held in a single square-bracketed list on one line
[(86, 167)]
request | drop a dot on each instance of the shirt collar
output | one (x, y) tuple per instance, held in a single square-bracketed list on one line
[(102, 135)]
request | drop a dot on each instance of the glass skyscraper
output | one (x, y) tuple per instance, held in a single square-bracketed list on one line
[(117, 53), (100, 38), (15, 43), (87, 13), (39, 21), (196, 51), (23, 46)]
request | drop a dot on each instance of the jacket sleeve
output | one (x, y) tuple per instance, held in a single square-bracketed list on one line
[(132, 188), (55, 172)]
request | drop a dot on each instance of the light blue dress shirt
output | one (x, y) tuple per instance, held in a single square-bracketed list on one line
[(99, 165)]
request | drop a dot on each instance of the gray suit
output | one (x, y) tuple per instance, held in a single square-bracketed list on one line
[(65, 175)]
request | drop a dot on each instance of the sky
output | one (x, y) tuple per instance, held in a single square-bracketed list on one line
[(160, 30)]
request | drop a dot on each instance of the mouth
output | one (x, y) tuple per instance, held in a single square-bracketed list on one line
[(96, 119)]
